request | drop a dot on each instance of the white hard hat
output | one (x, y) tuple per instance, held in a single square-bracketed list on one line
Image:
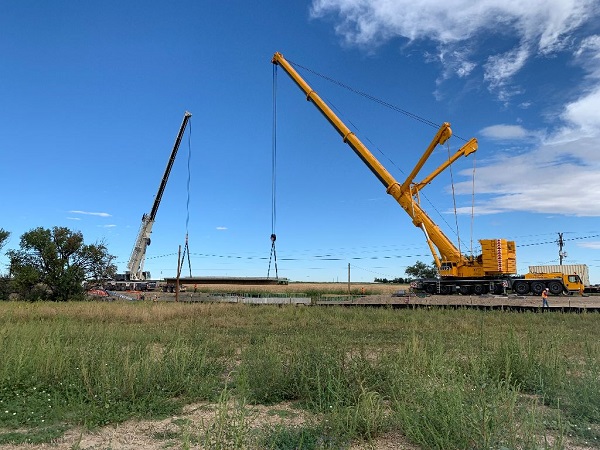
[(547, 289)]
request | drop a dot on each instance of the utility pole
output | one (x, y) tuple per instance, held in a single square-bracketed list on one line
[(348, 278), (561, 244)]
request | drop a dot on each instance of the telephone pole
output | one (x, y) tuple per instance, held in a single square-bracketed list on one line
[(561, 244)]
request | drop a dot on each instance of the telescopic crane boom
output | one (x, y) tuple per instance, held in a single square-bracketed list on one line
[(135, 266), (406, 194)]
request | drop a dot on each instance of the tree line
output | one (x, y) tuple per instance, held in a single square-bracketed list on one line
[(416, 271), (53, 264)]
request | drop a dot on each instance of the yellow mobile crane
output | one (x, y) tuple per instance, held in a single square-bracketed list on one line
[(489, 272)]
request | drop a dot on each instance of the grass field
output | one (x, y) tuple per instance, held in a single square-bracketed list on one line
[(441, 379)]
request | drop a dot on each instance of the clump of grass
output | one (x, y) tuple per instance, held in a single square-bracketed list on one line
[(230, 427), (35, 435), (295, 438)]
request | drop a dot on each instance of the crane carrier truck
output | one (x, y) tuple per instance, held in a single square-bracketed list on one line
[(492, 271)]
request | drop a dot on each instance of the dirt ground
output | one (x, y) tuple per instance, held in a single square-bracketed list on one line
[(189, 430)]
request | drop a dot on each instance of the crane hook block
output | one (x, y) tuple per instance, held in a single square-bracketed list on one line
[(273, 237)]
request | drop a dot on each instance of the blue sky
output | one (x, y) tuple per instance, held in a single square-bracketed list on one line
[(92, 95)]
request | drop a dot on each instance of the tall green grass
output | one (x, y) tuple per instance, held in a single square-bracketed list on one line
[(446, 379)]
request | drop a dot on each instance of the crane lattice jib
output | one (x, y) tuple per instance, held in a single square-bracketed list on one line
[(406, 194)]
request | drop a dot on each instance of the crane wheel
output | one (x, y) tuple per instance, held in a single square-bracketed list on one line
[(537, 287), (555, 287), (479, 289), (498, 289), (466, 289), (521, 287)]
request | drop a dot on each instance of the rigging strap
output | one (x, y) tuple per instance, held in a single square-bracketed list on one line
[(273, 256), (186, 251)]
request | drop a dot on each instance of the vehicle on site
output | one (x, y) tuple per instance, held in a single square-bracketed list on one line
[(568, 272), (492, 271), (122, 285), (135, 267)]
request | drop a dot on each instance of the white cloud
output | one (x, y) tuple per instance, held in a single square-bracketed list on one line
[(506, 132), (554, 171), (74, 218), (594, 245), (588, 53), (110, 225), (560, 175), (221, 228), (539, 26), (500, 68), (583, 115), (88, 213)]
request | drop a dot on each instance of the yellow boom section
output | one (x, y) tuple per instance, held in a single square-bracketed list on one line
[(406, 193)]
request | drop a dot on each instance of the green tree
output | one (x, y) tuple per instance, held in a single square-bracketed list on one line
[(54, 264), (5, 281), (421, 270), (3, 237)]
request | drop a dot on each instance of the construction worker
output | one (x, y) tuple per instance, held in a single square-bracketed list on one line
[(545, 298)]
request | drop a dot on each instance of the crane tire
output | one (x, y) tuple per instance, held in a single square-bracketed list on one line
[(466, 289), (537, 287), (555, 287), (521, 287)]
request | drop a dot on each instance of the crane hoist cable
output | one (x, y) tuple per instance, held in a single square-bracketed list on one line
[(186, 249), (453, 198), (406, 113), (473, 200), (472, 203), (374, 99), (273, 255)]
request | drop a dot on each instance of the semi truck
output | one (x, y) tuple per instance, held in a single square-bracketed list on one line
[(493, 270)]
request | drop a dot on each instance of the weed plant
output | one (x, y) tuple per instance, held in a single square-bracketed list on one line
[(446, 379)]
